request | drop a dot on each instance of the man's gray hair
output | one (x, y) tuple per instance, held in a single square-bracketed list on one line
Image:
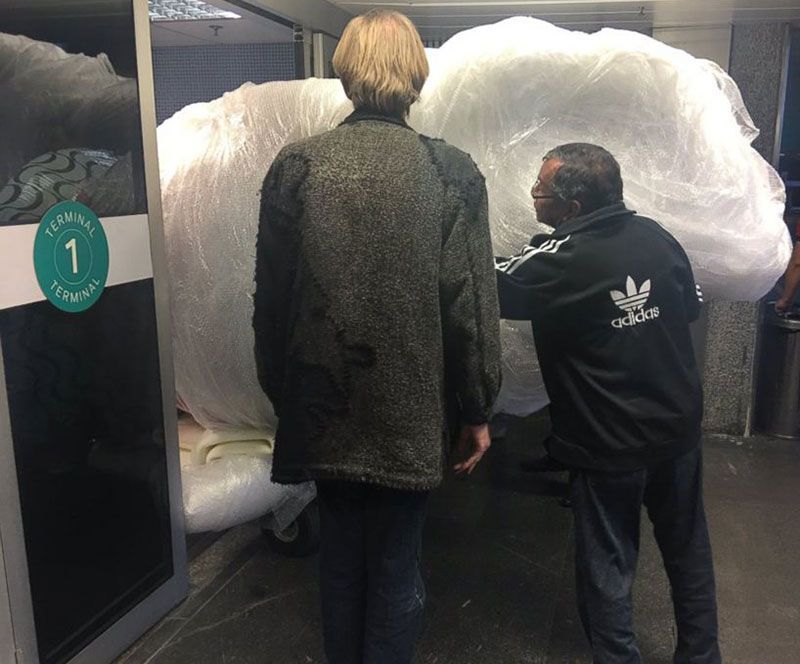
[(590, 175)]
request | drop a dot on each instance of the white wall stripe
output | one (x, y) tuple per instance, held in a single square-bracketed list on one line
[(128, 257)]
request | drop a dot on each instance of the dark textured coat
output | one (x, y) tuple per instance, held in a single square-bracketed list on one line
[(376, 310)]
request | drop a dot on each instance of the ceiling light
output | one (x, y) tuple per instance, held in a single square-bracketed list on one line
[(186, 10)]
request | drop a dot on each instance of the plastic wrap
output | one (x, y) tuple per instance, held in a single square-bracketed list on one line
[(506, 93), (51, 99), (509, 92), (237, 489), (213, 159)]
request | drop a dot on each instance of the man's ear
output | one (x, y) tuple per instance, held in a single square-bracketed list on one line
[(574, 209)]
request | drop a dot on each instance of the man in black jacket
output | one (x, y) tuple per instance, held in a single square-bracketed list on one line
[(610, 295)]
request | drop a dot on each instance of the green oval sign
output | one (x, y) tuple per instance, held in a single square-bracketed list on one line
[(70, 256)]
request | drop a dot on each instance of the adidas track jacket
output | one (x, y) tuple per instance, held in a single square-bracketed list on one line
[(610, 296)]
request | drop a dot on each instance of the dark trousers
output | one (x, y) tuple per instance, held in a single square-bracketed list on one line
[(607, 509), (372, 590)]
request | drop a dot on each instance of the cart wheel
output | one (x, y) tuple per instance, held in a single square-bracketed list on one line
[(300, 538)]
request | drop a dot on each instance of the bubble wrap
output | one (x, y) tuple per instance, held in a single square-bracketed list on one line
[(505, 93), (233, 490), (51, 99), (213, 158)]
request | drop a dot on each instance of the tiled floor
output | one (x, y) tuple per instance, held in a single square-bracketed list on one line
[(498, 566)]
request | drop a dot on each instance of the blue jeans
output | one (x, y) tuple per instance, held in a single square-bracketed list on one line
[(371, 587), (607, 509)]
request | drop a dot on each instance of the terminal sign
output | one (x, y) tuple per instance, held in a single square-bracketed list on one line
[(70, 256)]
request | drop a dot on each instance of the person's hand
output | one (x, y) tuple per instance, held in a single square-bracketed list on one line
[(782, 306), (472, 444)]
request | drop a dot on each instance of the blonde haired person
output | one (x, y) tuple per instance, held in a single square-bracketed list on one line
[(376, 334), (381, 62)]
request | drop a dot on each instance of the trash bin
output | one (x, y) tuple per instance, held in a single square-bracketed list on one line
[(777, 404)]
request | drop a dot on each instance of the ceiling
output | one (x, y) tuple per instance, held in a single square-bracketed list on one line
[(438, 19), (229, 31), (251, 28)]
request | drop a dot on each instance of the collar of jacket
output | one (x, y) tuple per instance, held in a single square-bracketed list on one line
[(365, 113), (578, 223)]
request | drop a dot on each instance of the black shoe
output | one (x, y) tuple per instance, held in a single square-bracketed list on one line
[(543, 464)]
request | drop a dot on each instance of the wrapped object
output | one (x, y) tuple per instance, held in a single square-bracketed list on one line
[(236, 489), (60, 100), (509, 92), (505, 93), (213, 158)]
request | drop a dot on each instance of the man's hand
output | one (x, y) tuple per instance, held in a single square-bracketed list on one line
[(472, 443), (782, 305)]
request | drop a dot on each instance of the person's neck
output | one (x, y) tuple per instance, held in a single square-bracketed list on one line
[(368, 113), (598, 214), (371, 110)]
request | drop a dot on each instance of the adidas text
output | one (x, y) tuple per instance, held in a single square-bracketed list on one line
[(636, 317)]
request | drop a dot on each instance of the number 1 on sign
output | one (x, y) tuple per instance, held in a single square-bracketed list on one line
[(73, 247)]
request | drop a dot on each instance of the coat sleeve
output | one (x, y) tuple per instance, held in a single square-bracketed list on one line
[(692, 294), (276, 264), (531, 281), (470, 316)]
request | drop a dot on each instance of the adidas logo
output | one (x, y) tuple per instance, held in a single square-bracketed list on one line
[(632, 302), (635, 298)]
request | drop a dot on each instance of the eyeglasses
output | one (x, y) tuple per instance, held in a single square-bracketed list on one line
[(535, 196)]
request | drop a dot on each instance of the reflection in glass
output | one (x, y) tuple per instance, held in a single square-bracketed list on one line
[(66, 119), (84, 391)]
